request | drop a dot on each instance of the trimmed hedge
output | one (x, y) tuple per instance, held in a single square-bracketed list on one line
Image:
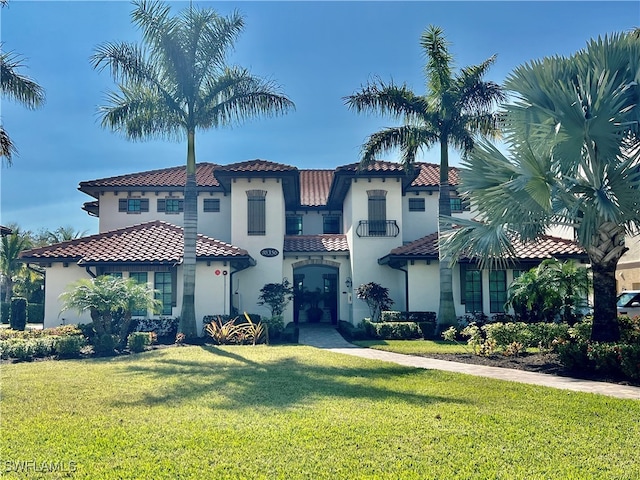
[(162, 327), (18, 318), (426, 321), (392, 330), (291, 333), (351, 332)]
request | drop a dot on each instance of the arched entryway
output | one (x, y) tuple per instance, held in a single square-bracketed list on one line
[(315, 291)]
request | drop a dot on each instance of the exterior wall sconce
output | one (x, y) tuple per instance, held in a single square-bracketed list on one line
[(348, 283)]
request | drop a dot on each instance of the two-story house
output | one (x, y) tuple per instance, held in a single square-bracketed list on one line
[(326, 231)]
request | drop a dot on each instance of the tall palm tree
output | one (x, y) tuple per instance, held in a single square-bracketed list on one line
[(456, 108), (573, 134), (17, 87), (178, 82)]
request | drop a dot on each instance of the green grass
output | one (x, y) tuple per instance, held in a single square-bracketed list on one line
[(415, 347), (297, 412)]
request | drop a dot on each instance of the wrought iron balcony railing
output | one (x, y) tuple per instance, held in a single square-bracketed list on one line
[(377, 228)]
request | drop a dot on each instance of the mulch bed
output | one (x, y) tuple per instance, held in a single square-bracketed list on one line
[(531, 362)]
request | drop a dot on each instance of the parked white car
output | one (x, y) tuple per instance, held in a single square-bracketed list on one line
[(629, 303)]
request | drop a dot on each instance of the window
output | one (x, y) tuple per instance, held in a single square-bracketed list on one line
[(164, 285), (133, 205), (171, 205), (416, 205), (294, 224), (211, 205), (331, 224), (458, 205), (473, 291), (256, 213), (497, 290), (141, 278), (377, 212)]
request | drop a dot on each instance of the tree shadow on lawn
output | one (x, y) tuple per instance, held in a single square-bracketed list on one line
[(284, 382)]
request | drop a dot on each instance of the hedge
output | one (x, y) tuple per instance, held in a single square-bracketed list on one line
[(392, 330)]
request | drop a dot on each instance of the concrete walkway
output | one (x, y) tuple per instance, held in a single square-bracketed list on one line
[(327, 337)]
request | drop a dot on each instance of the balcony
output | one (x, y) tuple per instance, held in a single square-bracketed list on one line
[(377, 228)]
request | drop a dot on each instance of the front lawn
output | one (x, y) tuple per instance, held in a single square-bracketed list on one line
[(297, 412), (415, 347)]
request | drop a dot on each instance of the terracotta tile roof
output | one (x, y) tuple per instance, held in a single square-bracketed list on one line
[(316, 243), (377, 166), (429, 175), (255, 166), (545, 247), (152, 242), (165, 177), (314, 187)]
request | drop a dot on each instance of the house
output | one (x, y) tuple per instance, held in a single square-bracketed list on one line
[(628, 271), (326, 231)]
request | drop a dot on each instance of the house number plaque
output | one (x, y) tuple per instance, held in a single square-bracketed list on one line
[(269, 252)]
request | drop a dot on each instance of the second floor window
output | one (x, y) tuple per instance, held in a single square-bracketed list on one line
[(377, 212), (211, 205), (331, 224), (416, 205), (256, 212), (171, 205), (294, 224), (133, 205)]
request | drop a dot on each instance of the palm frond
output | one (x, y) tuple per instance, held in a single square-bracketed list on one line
[(7, 147), (237, 95), (16, 86), (439, 60), (408, 138), (388, 99)]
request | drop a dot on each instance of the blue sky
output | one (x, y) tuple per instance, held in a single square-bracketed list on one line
[(318, 52)]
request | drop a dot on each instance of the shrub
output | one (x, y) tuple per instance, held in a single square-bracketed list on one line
[(351, 332), (105, 344), (138, 341), (629, 355), (162, 327), (544, 334), (69, 346), (277, 296), (506, 334), (428, 330), (43, 346), (392, 330), (376, 296), (226, 333), (21, 349), (291, 333), (275, 327), (393, 316), (18, 319)]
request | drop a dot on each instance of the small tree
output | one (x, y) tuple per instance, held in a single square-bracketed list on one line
[(376, 296), (277, 296), (110, 301)]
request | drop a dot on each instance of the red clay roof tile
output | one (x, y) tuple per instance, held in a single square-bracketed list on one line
[(152, 242), (545, 247), (314, 187), (316, 243), (256, 165)]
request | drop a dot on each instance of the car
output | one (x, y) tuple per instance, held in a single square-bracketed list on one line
[(628, 303)]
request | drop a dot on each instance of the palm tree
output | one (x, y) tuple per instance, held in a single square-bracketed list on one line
[(456, 108), (10, 264), (176, 83), (61, 234), (19, 88), (573, 134)]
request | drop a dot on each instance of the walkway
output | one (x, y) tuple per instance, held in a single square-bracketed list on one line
[(328, 338)]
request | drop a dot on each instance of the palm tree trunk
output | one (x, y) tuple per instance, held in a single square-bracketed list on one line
[(604, 253), (447, 311), (187, 324)]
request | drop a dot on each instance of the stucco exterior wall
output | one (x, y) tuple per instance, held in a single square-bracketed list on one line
[(365, 251), (628, 271), (248, 283), (57, 280), (213, 224)]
